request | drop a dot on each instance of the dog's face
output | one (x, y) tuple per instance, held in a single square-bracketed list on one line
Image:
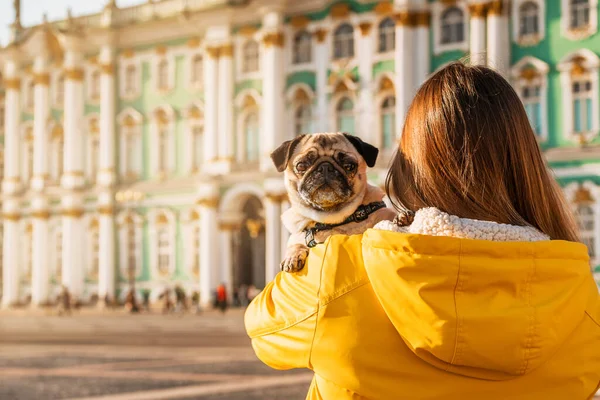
[(325, 172)]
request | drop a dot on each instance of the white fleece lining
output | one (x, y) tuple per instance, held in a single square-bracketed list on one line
[(433, 222)]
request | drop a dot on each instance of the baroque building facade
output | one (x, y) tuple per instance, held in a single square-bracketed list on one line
[(136, 141)]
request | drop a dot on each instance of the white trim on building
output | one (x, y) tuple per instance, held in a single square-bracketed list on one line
[(523, 35), (575, 14), (437, 11)]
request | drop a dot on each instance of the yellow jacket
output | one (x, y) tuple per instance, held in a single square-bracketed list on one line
[(388, 315)]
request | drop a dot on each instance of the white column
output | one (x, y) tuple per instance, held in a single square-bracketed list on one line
[(321, 56), (12, 122), (10, 252), (40, 122), (208, 194), (365, 70), (73, 244), (404, 62), (225, 96), (211, 132), (106, 171), (226, 265), (498, 39), (272, 236), (423, 61), (73, 116), (477, 33), (106, 247), (273, 87), (285, 234), (40, 279)]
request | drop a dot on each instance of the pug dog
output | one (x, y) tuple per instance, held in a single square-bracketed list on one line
[(326, 181)]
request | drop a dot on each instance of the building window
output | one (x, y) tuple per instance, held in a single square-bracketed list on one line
[(388, 122), (130, 80), (163, 147), (251, 137), (387, 35), (453, 26), (163, 75), (580, 14), (343, 42), (531, 95), (95, 85), (345, 116), (250, 56), (197, 139), (130, 146), (302, 50), (57, 153), (582, 105), (59, 91), (164, 251), (197, 70), (303, 120), (587, 227), (529, 19)]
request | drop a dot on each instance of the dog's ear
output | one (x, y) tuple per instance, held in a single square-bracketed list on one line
[(366, 150), (281, 155)]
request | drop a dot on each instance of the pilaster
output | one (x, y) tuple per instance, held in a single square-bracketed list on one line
[(12, 125), (404, 53), (477, 33), (106, 246), (275, 195), (40, 122), (365, 67), (225, 112), (40, 285), (208, 201), (73, 243), (107, 171), (423, 54), (11, 262), (322, 62), (498, 37), (211, 117)]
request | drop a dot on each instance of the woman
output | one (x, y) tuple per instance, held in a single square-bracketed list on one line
[(485, 295)]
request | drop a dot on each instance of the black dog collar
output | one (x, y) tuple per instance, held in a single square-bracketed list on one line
[(362, 212)]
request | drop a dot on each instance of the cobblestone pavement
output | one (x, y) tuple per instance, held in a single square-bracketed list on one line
[(124, 357)]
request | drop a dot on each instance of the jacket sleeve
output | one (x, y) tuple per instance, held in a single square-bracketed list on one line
[(281, 320)]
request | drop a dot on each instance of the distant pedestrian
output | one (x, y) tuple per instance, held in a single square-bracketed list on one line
[(167, 302), (243, 294), (64, 301), (146, 300), (196, 302), (222, 297)]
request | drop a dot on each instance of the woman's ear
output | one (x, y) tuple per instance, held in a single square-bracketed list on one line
[(366, 150), (281, 155)]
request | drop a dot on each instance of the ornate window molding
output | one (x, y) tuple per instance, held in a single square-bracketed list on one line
[(163, 72), (300, 98), (130, 78), (163, 126), (92, 83), (583, 197), (343, 43), (194, 138), (130, 226), (92, 144), (195, 69), (447, 23), (579, 18), (248, 126), (530, 80), (302, 48), (579, 82), (130, 144), (386, 36), (529, 21), (163, 227), (92, 249), (345, 113)]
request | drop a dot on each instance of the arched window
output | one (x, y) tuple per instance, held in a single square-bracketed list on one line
[(582, 103), (250, 55), (343, 42), (130, 146), (195, 138), (529, 19), (387, 35), (93, 150), (130, 80), (59, 91), (164, 142), (302, 51), (345, 116), (251, 137), (163, 247), (197, 70), (580, 14), (130, 238), (388, 122), (531, 95), (303, 119), (163, 75), (95, 85), (453, 26)]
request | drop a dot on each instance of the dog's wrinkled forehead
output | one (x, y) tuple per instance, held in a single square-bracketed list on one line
[(325, 144)]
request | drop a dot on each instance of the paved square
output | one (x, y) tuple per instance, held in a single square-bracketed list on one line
[(124, 357)]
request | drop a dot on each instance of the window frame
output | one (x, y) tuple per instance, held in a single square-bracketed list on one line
[(529, 39), (127, 65), (381, 35), (296, 46), (348, 37), (580, 32), (438, 9)]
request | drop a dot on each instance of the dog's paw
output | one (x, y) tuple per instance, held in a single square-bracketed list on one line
[(295, 258)]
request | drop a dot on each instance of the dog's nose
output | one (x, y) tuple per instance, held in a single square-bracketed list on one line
[(326, 169)]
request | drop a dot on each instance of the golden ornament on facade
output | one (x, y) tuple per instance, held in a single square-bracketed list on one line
[(208, 202), (73, 212), (229, 226), (194, 113), (578, 68), (277, 197), (13, 83), (254, 226), (273, 39), (194, 216), (405, 18), (213, 52), (161, 50), (193, 42), (226, 50), (41, 214), (384, 8), (127, 53), (57, 132), (73, 174), (93, 59), (496, 7), (11, 216), (422, 18), (386, 84), (105, 210), (248, 30), (320, 34), (529, 73), (478, 10), (299, 21), (301, 96), (340, 10), (41, 79), (107, 69), (74, 74), (365, 28), (583, 196), (129, 121)]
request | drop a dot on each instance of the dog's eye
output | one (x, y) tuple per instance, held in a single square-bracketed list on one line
[(301, 167), (349, 167)]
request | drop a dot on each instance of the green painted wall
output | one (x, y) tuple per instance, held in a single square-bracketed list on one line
[(249, 84), (307, 77), (383, 66)]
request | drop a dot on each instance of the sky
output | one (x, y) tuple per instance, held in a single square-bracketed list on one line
[(32, 11)]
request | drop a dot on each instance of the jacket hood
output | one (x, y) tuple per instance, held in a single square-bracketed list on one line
[(487, 309)]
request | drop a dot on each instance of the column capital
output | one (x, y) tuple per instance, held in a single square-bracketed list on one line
[(13, 83), (277, 197), (72, 212), (212, 51), (320, 34), (105, 209), (273, 39), (226, 50), (41, 214), (423, 18), (11, 216), (107, 68), (208, 202), (365, 28), (74, 74), (478, 10), (42, 79), (496, 7)]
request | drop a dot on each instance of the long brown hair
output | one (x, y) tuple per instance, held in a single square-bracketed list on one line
[(468, 149)]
